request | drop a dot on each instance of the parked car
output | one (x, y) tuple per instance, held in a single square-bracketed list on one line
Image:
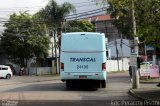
[(5, 72)]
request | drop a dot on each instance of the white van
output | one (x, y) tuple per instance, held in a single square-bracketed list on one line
[(83, 58)]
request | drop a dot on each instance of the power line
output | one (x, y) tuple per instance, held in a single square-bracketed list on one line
[(87, 2), (92, 3), (74, 16), (83, 15), (85, 5), (88, 11), (70, 16), (83, 2)]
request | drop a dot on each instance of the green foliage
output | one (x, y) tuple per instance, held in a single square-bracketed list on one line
[(147, 14), (121, 12), (79, 26), (148, 22), (24, 38), (54, 14)]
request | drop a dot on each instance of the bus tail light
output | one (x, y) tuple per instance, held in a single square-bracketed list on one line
[(103, 66), (62, 66)]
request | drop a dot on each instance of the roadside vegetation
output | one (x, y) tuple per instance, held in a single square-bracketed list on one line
[(147, 16), (24, 38), (25, 35)]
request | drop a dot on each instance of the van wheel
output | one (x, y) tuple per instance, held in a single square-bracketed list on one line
[(104, 84), (8, 76)]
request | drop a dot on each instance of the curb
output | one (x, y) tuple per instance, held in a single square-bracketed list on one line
[(149, 82), (144, 100), (132, 93)]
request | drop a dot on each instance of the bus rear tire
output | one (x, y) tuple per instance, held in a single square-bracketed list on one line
[(68, 84), (103, 84)]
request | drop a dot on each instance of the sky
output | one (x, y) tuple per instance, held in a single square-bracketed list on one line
[(7, 7)]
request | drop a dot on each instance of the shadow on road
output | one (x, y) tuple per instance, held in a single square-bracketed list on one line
[(114, 81), (49, 87), (39, 87), (67, 103)]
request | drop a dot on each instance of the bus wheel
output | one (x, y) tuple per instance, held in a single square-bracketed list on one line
[(68, 84)]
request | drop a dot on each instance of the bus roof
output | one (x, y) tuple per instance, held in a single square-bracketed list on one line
[(83, 33)]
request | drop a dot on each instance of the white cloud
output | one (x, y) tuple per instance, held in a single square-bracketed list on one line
[(8, 7)]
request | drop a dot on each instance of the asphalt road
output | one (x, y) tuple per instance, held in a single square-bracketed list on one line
[(54, 92)]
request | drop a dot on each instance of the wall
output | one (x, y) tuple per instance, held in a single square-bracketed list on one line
[(41, 70), (112, 65)]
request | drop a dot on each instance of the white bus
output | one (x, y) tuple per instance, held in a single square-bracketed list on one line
[(83, 59)]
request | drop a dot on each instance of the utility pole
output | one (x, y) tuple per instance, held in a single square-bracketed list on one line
[(122, 50), (145, 52), (135, 73)]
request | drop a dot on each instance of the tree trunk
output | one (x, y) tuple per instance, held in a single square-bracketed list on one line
[(117, 53), (121, 45), (55, 47)]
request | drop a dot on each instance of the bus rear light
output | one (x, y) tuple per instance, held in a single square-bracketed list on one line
[(103, 66), (62, 66)]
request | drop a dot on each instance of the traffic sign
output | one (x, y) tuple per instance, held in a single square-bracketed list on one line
[(133, 60)]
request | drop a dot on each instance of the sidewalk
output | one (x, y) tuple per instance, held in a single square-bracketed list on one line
[(148, 90)]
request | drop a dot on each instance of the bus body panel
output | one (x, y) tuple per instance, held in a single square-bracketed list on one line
[(82, 55)]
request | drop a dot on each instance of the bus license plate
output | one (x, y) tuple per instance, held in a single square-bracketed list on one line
[(82, 77)]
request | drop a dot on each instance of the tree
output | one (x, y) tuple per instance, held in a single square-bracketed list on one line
[(54, 14), (148, 22), (79, 26), (147, 13), (24, 38)]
